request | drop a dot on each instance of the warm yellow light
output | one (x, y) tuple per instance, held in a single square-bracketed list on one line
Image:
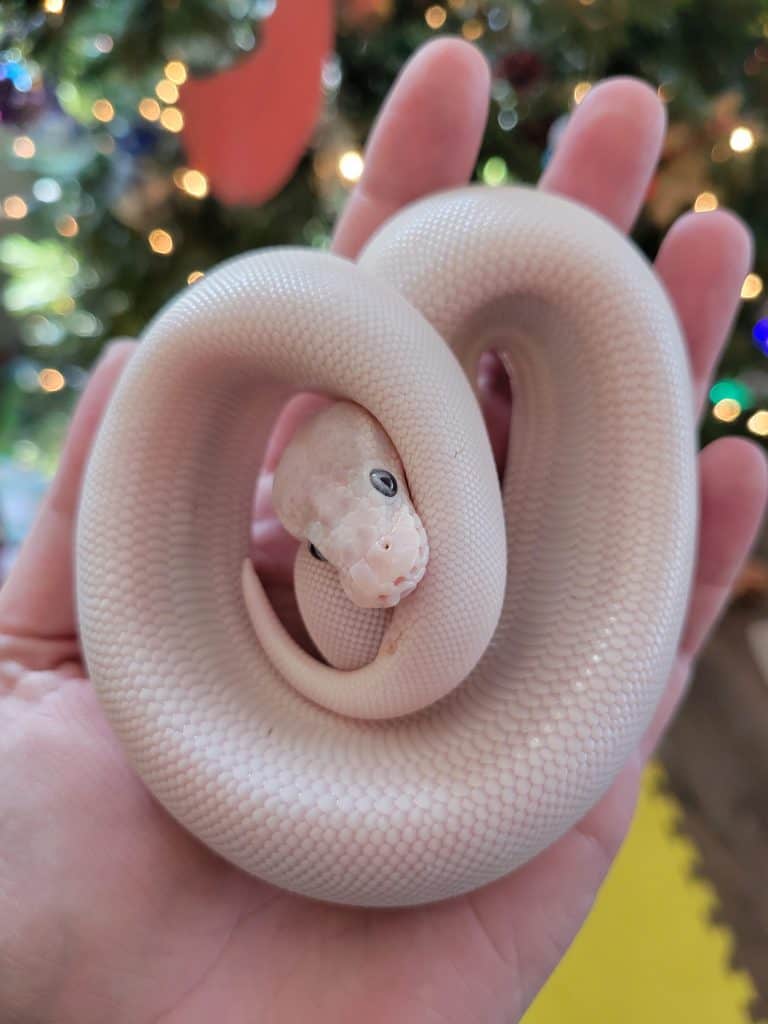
[(706, 202), (67, 226), (742, 139), (64, 305), (53, 6), (586, 3), (435, 16), (195, 276), (160, 241), (103, 110), (194, 183), (581, 90), (176, 71), (149, 109), (758, 423), (172, 119), (15, 208), (24, 147), (167, 91), (51, 380), (472, 29), (351, 165), (727, 410), (752, 287)]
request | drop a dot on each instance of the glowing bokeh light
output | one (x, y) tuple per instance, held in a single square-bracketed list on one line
[(24, 147), (167, 91), (172, 119), (581, 91), (435, 16), (103, 110), (752, 287), (351, 165), (742, 139), (176, 72), (706, 202), (160, 241), (51, 380), (15, 208), (495, 171), (149, 109), (726, 410)]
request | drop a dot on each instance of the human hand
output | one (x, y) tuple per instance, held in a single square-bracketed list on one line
[(108, 909)]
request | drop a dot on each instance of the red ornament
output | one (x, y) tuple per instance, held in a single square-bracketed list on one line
[(246, 128), (521, 69)]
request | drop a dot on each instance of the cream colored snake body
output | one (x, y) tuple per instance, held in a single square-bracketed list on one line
[(510, 686)]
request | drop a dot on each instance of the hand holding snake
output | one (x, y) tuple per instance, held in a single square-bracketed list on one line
[(125, 873)]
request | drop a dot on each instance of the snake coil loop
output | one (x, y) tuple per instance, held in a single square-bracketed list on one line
[(508, 689)]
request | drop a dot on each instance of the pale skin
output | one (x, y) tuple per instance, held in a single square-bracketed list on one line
[(108, 909)]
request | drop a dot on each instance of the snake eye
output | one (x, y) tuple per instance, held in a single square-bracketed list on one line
[(315, 553), (384, 482)]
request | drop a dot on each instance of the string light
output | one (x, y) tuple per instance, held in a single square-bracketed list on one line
[(706, 202), (752, 287), (742, 139), (760, 336), (472, 29), (435, 16), (24, 147), (176, 72), (167, 91), (103, 110), (53, 6), (734, 389), (586, 3), (758, 423), (193, 182), (172, 119), (64, 305), (351, 166), (47, 190), (103, 43), (160, 241), (67, 226), (15, 208), (726, 410), (581, 91), (149, 109), (495, 171), (51, 380), (196, 275)]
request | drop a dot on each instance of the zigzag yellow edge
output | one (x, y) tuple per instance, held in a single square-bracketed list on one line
[(650, 952)]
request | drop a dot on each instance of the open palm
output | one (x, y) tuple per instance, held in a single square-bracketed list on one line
[(109, 911)]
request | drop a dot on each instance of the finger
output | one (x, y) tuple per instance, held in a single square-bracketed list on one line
[(426, 137), (703, 262), (734, 489), (38, 597), (610, 149)]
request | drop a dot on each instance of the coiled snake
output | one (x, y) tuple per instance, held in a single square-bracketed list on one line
[(470, 725)]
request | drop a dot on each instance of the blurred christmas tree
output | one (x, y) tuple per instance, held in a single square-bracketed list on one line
[(104, 219)]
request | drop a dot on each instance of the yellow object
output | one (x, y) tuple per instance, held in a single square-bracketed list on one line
[(650, 953)]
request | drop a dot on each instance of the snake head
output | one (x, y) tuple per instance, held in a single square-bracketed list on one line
[(340, 486)]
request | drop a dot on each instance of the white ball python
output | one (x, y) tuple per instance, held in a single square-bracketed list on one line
[(469, 726)]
